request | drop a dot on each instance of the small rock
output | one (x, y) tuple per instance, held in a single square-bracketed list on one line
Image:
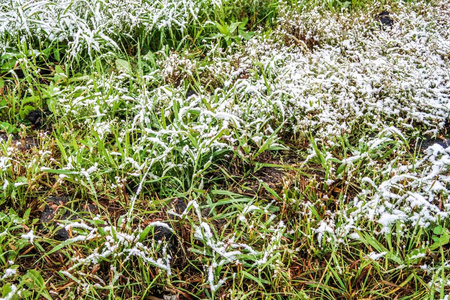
[(61, 235), (53, 205), (49, 213), (190, 93), (430, 142), (179, 205), (385, 19)]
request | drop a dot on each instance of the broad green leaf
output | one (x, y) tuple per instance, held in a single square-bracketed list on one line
[(123, 66), (438, 230)]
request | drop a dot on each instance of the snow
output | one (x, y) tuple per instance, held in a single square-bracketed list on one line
[(29, 236), (214, 287), (376, 256), (11, 294), (393, 83), (9, 272), (161, 224), (4, 165)]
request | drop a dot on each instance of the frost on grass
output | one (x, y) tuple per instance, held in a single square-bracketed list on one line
[(362, 78), (95, 26), (409, 196), (114, 244), (90, 25), (414, 195), (367, 80), (223, 253), (168, 135), (341, 76)]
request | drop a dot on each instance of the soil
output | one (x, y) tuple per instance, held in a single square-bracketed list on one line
[(163, 234), (57, 208), (38, 117), (178, 205), (20, 143)]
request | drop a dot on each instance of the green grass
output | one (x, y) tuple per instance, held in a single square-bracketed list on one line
[(224, 150)]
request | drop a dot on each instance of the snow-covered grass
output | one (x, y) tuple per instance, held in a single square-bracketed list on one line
[(224, 149)]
